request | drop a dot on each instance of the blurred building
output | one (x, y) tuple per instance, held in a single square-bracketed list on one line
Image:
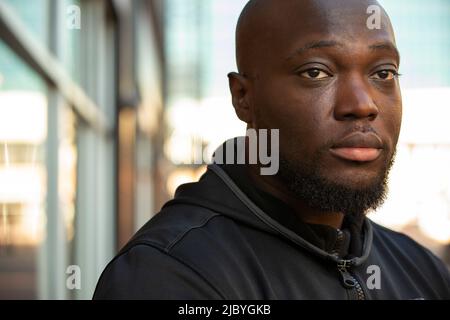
[(81, 96)]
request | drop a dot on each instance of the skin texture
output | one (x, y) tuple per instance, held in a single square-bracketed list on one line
[(313, 70)]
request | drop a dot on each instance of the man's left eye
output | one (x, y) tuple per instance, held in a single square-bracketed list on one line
[(315, 74), (385, 75)]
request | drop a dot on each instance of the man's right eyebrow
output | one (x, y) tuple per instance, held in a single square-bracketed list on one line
[(315, 45)]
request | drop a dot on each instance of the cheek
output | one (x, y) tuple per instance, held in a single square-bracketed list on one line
[(299, 115), (392, 118), (281, 103), (399, 115)]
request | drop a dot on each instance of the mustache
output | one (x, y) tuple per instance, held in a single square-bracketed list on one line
[(363, 129)]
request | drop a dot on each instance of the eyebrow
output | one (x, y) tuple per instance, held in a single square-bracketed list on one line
[(387, 46), (315, 45)]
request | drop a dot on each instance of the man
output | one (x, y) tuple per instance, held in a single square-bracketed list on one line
[(328, 81)]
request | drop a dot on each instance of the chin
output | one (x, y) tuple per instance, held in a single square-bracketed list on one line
[(358, 181)]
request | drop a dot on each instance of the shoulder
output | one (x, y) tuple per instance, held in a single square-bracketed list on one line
[(167, 258), (146, 272), (398, 240), (407, 252), (171, 226)]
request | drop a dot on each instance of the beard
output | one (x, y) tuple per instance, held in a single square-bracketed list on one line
[(307, 183)]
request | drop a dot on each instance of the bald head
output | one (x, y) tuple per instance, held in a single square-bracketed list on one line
[(267, 27)]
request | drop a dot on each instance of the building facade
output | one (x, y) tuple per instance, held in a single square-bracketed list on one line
[(81, 93)]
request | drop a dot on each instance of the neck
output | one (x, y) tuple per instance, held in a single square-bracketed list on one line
[(272, 185)]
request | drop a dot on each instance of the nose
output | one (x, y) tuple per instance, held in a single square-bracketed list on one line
[(354, 100)]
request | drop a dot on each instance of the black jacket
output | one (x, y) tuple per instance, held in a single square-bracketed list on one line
[(212, 242)]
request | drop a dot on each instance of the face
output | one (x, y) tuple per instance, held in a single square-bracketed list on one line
[(330, 85)]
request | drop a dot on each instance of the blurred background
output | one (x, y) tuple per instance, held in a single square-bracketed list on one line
[(105, 105)]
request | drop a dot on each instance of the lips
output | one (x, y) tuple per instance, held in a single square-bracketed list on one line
[(360, 147)]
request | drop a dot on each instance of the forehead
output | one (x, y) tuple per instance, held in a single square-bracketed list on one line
[(290, 25), (318, 14)]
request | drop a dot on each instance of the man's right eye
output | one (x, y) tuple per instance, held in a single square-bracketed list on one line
[(315, 74)]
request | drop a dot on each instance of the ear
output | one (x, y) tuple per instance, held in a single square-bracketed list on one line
[(239, 87)]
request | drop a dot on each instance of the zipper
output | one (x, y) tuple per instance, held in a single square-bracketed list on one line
[(348, 280), (338, 244)]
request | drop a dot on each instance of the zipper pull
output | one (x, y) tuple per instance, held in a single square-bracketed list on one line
[(348, 281)]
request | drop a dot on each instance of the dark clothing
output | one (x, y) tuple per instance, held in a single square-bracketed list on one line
[(212, 241), (345, 243)]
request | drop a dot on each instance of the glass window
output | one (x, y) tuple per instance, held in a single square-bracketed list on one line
[(423, 37), (33, 15), (70, 54), (200, 53), (23, 133)]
